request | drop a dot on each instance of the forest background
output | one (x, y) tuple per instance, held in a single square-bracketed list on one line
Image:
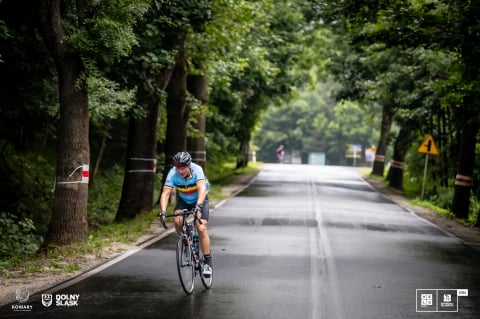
[(97, 96)]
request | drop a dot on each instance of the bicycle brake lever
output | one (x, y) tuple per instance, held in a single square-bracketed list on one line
[(163, 223)]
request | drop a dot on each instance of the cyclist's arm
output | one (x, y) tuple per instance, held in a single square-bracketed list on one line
[(202, 191), (166, 191)]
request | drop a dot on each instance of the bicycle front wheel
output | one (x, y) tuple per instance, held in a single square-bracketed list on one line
[(185, 265)]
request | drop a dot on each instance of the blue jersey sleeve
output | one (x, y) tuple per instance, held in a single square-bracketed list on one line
[(169, 179)]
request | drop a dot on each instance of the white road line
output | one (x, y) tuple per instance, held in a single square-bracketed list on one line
[(325, 251), (108, 264)]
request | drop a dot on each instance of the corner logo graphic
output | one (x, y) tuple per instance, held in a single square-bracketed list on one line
[(22, 295), (47, 300), (439, 300)]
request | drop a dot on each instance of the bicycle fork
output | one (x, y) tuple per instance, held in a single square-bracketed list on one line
[(193, 258)]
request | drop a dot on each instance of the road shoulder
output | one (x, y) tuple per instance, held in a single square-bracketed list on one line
[(470, 235), (36, 282)]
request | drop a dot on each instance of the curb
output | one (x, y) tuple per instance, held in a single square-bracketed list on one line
[(469, 236), (159, 233)]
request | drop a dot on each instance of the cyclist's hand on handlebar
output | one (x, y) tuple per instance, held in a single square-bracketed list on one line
[(161, 217), (198, 212)]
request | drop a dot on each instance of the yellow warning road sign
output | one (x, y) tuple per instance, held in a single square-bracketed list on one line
[(428, 146)]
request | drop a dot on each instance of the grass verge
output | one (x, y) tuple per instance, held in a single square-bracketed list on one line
[(105, 238)]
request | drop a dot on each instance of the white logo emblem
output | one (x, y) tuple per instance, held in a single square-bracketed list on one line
[(22, 295), (47, 300)]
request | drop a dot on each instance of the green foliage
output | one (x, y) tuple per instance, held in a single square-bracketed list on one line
[(3, 33), (109, 34), (223, 173), (315, 122), (474, 210), (443, 197), (255, 47), (107, 101), (126, 232), (104, 196), (27, 187), (18, 236)]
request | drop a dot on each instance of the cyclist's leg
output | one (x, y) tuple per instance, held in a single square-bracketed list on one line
[(203, 237), (181, 205), (205, 244), (202, 230)]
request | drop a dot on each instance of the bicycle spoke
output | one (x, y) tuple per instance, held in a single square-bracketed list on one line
[(185, 267)]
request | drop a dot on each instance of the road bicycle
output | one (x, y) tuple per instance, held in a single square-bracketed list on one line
[(190, 259)]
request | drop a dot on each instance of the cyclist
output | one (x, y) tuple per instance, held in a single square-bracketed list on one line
[(192, 187)]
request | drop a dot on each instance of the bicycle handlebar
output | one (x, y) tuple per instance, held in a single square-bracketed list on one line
[(184, 213)]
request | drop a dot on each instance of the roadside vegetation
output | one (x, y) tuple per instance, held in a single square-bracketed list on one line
[(435, 203), (88, 135), (20, 241)]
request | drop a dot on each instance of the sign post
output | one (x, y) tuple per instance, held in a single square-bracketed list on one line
[(427, 147)]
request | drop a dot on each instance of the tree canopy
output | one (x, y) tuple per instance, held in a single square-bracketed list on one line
[(120, 86)]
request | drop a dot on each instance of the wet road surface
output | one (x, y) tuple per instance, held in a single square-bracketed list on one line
[(299, 242)]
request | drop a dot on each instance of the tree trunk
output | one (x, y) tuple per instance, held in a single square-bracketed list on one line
[(177, 112), (466, 161), (379, 162), (402, 143), (198, 86), (103, 146), (468, 113), (69, 218), (141, 158), (140, 167), (244, 152), (196, 145)]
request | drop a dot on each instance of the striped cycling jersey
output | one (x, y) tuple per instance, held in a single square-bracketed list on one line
[(187, 187)]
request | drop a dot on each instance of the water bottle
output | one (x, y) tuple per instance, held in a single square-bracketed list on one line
[(189, 230), (196, 244)]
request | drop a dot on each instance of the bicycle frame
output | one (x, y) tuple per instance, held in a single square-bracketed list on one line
[(186, 250), (186, 235)]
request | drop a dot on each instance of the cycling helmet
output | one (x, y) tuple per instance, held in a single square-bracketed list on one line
[(182, 159)]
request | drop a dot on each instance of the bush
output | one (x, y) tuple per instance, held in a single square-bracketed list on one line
[(104, 196), (27, 185), (443, 197), (17, 237)]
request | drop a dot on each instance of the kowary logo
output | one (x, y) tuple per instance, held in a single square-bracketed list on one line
[(22, 296)]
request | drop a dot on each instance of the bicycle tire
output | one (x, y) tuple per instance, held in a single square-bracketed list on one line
[(206, 281), (185, 266)]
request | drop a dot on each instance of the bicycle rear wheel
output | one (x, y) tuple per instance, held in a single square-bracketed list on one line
[(185, 266), (206, 281)]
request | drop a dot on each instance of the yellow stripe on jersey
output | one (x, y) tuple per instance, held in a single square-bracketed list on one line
[(188, 189)]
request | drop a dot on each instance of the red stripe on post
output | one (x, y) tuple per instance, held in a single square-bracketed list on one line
[(397, 164), (85, 174), (462, 180), (379, 158)]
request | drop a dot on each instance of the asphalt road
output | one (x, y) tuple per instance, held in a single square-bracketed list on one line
[(299, 242)]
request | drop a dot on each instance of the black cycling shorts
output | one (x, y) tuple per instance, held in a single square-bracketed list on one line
[(182, 205)]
